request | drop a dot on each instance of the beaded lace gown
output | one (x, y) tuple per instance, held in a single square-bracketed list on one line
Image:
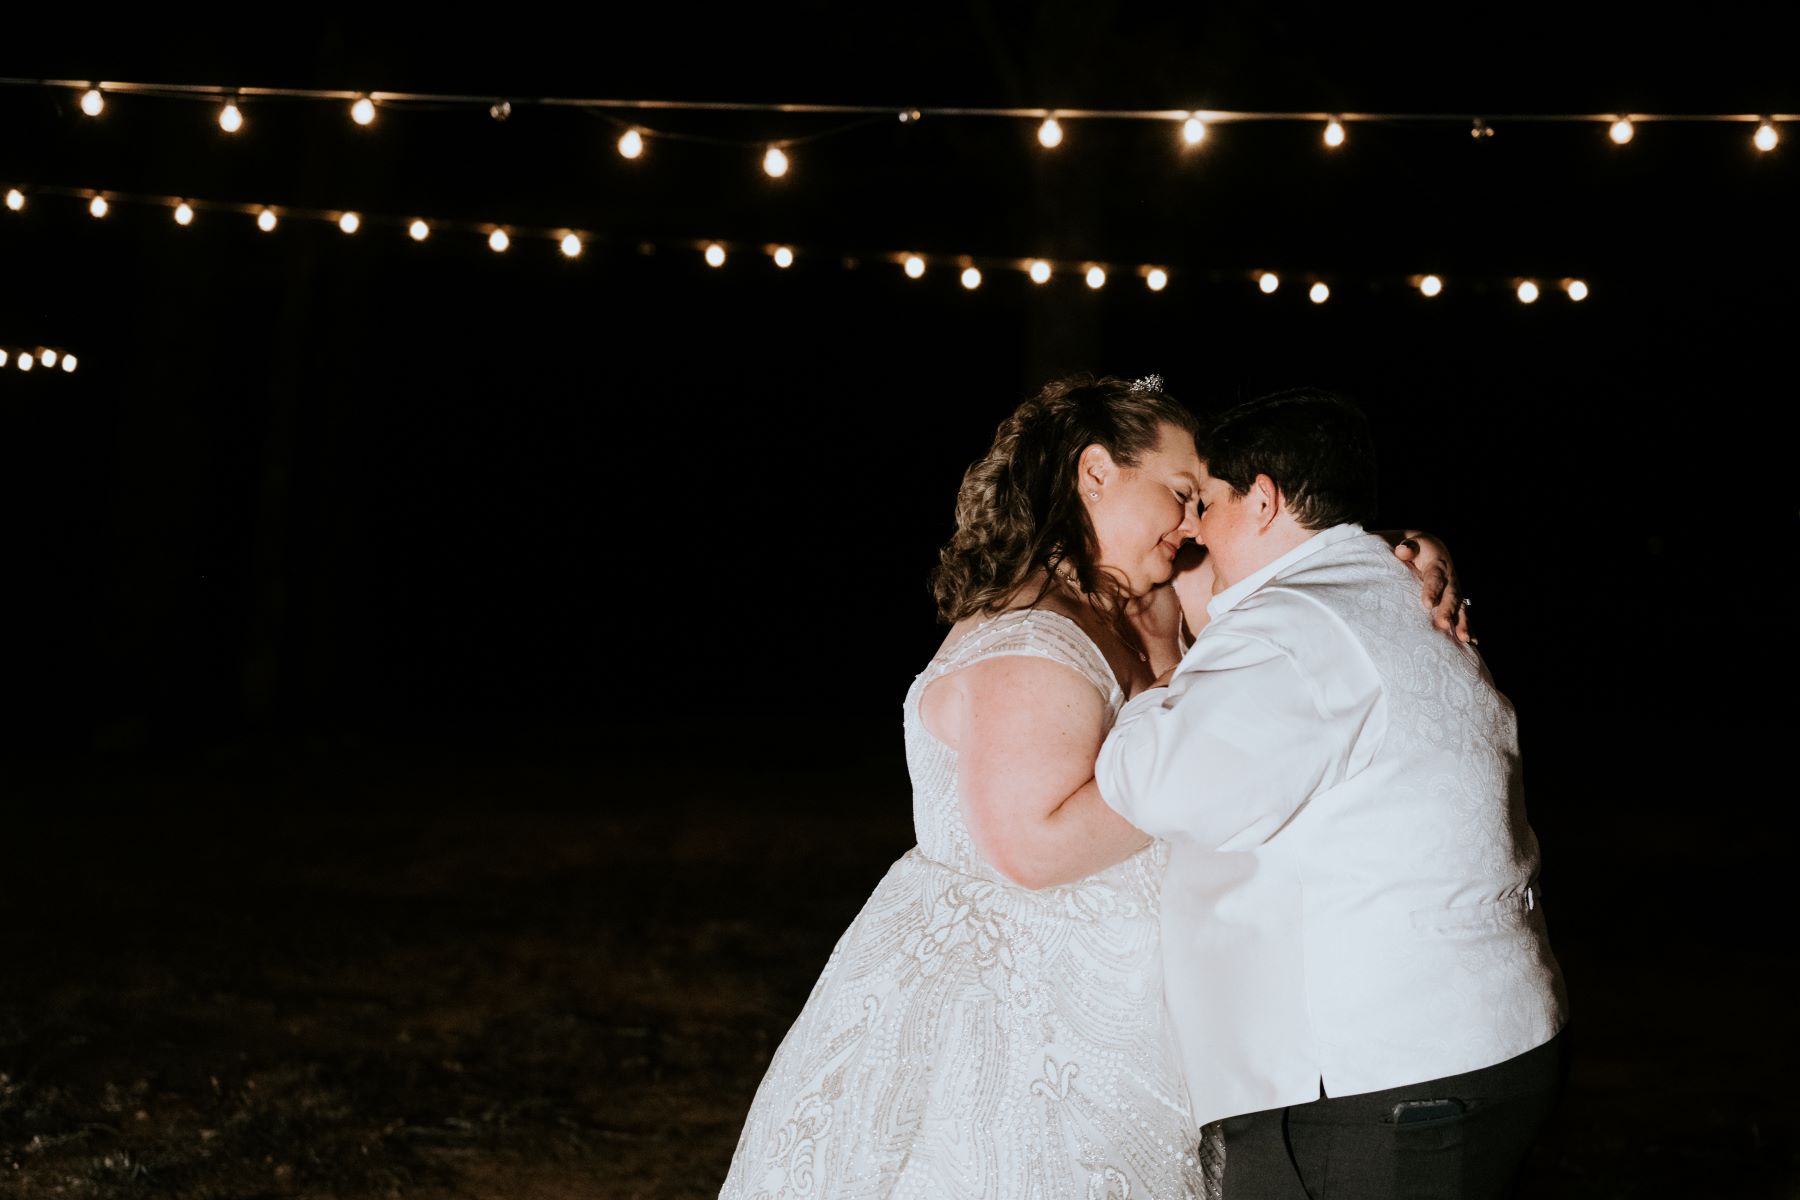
[(969, 1037)]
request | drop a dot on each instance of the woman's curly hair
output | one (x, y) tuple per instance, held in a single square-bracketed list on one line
[(1019, 509)]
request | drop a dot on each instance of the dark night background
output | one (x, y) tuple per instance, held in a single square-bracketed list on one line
[(426, 656)]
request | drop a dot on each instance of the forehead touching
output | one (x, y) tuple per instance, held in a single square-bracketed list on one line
[(1176, 455)]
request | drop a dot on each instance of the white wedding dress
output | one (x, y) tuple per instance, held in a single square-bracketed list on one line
[(973, 1038)]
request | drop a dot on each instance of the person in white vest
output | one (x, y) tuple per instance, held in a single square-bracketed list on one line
[(1354, 947)]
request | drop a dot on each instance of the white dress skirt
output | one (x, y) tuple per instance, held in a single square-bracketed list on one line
[(969, 1037)]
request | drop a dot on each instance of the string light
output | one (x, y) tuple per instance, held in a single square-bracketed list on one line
[(231, 119), (1334, 133), (1193, 131), (26, 362), (1050, 134), (363, 111), (68, 364), (4, 358), (631, 143), (92, 102), (573, 245), (1621, 131), (47, 357), (1766, 137), (775, 162)]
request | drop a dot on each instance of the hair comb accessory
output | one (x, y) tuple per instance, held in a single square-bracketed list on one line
[(1149, 383)]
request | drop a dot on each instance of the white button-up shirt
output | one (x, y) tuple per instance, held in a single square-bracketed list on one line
[(1347, 898)]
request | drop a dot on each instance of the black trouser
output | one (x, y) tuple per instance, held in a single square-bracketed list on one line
[(1357, 1147)]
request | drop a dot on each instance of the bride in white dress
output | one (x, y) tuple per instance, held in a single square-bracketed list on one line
[(992, 1024)]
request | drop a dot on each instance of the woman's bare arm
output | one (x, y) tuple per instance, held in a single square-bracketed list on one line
[(1027, 732)]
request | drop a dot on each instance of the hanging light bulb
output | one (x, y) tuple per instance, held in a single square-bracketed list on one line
[(1268, 281), (1040, 271), (1156, 279), (1096, 277), (231, 118), (1621, 131), (1193, 131), (4, 358), (68, 364), (498, 241), (350, 222), (1528, 292), (47, 356), (971, 278), (1577, 289), (1050, 134), (631, 143), (92, 102), (1319, 293), (97, 207), (914, 266), (775, 162), (15, 199), (363, 111), (783, 256), (26, 362), (418, 230), (1766, 137), (184, 214), (1431, 285), (571, 245), (265, 220), (715, 255), (1334, 133)]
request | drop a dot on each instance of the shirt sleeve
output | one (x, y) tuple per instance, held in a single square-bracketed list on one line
[(1226, 754)]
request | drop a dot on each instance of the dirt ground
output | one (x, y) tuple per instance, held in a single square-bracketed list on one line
[(407, 976)]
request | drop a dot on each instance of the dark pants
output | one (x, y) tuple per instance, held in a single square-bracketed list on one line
[(1354, 1148)]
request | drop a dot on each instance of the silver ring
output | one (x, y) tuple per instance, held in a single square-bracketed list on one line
[(1466, 602)]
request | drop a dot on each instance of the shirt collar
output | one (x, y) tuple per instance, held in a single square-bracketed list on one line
[(1238, 592)]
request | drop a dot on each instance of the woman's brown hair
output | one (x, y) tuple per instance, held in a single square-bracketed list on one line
[(1019, 509)]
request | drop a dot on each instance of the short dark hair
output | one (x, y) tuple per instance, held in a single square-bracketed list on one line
[(1314, 445)]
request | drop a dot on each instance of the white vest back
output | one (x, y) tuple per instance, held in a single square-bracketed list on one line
[(1391, 932)]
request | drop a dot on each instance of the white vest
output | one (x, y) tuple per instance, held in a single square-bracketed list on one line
[(1389, 932)]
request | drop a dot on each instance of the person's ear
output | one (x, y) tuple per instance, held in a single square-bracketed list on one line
[(1093, 470), (1267, 499)]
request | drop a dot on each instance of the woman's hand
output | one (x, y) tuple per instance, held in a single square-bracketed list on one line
[(1429, 559), (1194, 584)]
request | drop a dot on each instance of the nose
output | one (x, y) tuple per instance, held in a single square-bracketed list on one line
[(1190, 524)]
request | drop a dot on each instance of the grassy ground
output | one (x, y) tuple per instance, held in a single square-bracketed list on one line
[(402, 979)]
